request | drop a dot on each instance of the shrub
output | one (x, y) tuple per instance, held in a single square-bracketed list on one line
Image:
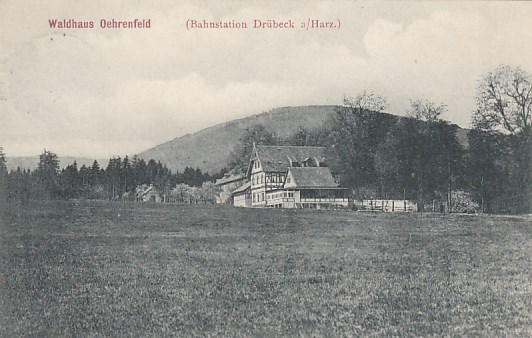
[(461, 201)]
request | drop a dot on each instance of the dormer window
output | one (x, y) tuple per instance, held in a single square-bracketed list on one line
[(310, 162), (293, 161)]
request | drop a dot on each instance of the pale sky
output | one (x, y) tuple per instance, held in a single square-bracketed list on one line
[(102, 92)]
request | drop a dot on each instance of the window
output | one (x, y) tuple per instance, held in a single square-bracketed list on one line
[(288, 179), (262, 196)]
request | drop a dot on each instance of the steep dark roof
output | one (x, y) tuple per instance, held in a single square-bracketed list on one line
[(228, 179), (277, 158), (144, 189), (242, 188), (313, 177)]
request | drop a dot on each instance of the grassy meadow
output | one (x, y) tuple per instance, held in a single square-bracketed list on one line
[(120, 269)]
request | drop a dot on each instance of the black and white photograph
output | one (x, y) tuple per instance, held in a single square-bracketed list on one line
[(265, 169)]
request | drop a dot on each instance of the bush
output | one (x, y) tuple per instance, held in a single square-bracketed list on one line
[(461, 201)]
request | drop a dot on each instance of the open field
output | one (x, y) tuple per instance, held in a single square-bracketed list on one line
[(113, 269)]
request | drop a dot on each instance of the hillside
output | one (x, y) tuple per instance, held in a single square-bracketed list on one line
[(210, 148)]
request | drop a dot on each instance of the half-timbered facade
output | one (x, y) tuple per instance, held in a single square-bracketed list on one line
[(292, 177)]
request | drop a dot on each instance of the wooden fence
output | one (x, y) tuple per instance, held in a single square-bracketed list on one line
[(386, 205)]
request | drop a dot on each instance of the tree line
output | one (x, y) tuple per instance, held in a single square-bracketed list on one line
[(374, 154), (119, 180), (419, 156)]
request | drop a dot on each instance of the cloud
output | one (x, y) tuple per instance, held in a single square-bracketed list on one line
[(440, 57)]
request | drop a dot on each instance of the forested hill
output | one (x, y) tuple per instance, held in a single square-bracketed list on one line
[(210, 149)]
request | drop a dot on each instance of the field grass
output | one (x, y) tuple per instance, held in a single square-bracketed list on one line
[(113, 269)]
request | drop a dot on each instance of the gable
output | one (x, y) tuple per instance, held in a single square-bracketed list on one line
[(254, 161), (289, 181)]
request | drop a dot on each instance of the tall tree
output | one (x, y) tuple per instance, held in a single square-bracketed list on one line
[(3, 174), (398, 159), (47, 175), (504, 103), (126, 174), (139, 171), (350, 141), (71, 182), (113, 175), (151, 171), (487, 177), (355, 133), (162, 180)]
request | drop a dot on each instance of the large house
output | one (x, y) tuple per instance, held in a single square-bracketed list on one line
[(226, 185), (290, 177)]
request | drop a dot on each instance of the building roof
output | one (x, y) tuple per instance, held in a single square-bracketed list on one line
[(242, 188), (312, 177), (144, 189), (279, 158), (229, 178)]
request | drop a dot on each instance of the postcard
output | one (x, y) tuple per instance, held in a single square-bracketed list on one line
[(280, 168)]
